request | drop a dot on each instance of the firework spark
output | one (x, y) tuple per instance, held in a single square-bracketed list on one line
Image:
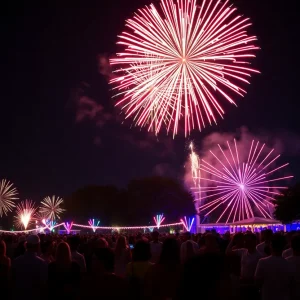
[(26, 211), (8, 194), (177, 60), (158, 220), (188, 224), (240, 189), (51, 207)]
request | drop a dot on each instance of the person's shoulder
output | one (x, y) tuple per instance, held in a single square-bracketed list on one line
[(75, 265), (18, 259), (241, 251), (266, 259)]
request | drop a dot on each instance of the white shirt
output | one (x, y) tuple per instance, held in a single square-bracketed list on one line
[(276, 276), (183, 249), (294, 261), (287, 253), (261, 248), (248, 262), (155, 251), (79, 259)]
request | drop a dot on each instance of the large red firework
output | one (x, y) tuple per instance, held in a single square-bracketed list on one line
[(179, 59)]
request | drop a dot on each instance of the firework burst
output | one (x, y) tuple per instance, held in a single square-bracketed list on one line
[(8, 194), (179, 59), (234, 189), (158, 220), (26, 211), (51, 207)]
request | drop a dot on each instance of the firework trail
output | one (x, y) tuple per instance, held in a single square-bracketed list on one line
[(51, 207), (178, 60), (8, 194), (236, 189), (26, 212)]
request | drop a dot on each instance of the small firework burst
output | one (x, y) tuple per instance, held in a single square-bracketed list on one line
[(8, 194), (51, 207), (26, 213)]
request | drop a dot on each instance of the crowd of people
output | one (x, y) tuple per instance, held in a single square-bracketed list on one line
[(151, 266)]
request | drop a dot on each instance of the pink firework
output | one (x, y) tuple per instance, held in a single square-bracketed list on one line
[(235, 190), (26, 212), (179, 59)]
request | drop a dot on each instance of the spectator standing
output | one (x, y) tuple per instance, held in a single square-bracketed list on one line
[(5, 265), (294, 261), (188, 248), (264, 248), (47, 249), (163, 277), (29, 272), (108, 283), (156, 247), (274, 274), (64, 274), (138, 268), (249, 258), (289, 251), (122, 256), (74, 243)]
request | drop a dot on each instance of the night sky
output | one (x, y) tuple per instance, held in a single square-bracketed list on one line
[(52, 145)]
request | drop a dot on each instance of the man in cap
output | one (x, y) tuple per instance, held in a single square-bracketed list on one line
[(30, 271)]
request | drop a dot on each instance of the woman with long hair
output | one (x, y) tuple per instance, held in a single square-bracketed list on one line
[(64, 274), (122, 256)]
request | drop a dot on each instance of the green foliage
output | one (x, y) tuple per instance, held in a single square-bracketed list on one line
[(287, 205), (136, 205)]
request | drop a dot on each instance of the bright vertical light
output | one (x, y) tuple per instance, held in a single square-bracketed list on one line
[(158, 220), (187, 223), (180, 61), (94, 224), (68, 226)]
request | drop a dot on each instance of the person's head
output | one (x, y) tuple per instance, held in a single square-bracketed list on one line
[(101, 243), (74, 242), (47, 247), (121, 244), (187, 236), (267, 235), (2, 248), (107, 259), (238, 240), (141, 251), (295, 244), (211, 242), (278, 243), (33, 243), (170, 252), (63, 254), (155, 236), (250, 241)]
